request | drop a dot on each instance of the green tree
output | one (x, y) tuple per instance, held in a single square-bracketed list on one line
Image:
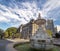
[(17, 35), (6, 34), (49, 32), (10, 32), (1, 33)]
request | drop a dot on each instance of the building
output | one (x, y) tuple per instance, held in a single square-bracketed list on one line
[(29, 29), (50, 26), (55, 29), (58, 28)]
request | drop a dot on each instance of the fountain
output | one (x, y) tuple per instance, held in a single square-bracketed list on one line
[(41, 39)]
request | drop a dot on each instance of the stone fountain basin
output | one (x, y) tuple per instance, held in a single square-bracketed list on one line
[(41, 44)]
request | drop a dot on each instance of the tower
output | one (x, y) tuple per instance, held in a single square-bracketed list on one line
[(39, 16)]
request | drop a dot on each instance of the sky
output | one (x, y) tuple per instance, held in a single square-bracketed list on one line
[(13, 13)]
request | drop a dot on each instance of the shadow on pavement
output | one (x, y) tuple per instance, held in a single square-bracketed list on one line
[(3, 43)]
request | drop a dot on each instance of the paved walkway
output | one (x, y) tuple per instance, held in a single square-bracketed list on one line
[(18, 40), (56, 41), (7, 42), (7, 45), (3, 44)]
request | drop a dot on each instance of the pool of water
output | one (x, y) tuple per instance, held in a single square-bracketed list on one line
[(26, 47)]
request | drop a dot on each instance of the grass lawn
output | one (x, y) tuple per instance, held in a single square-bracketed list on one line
[(26, 47)]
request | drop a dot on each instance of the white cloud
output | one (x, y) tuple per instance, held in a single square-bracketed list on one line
[(29, 11), (8, 13), (3, 19), (51, 4), (48, 8)]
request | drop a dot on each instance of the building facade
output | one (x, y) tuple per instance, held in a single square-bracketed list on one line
[(58, 28), (29, 29), (50, 26)]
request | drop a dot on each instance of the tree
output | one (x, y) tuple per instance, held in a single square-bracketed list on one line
[(6, 34), (49, 32), (1, 33), (10, 32), (17, 35), (57, 35)]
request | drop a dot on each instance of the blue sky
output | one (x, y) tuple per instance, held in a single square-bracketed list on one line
[(16, 12)]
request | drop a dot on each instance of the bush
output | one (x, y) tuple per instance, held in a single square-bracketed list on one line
[(57, 35)]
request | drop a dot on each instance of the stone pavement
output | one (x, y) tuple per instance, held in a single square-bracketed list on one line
[(7, 44), (9, 47), (3, 44)]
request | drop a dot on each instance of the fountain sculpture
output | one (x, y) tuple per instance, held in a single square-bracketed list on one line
[(41, 39)]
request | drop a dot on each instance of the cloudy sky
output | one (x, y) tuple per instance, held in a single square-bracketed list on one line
[(16, 12)]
